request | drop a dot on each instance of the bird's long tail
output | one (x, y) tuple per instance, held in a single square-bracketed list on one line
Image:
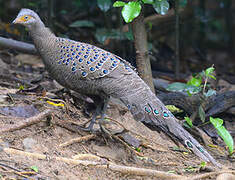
[(148, 109)]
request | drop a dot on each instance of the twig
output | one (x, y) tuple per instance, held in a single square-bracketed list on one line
[(77, 140), (86, 157), (7, 166), (27, 122), (127, 146)]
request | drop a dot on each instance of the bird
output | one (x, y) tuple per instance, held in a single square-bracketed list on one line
[(88, 69)]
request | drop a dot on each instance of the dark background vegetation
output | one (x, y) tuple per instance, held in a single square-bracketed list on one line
[(207, 32)]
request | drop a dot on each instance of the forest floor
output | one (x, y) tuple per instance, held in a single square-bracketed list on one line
[(39, 137)]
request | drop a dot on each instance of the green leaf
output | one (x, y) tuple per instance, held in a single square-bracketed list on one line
[(161, 6), (195, 82), (104, 5), (176, 87), (223, 133), (82, 23), (21, 87), (209, 72), (203, 164), (210, 92), (226, 136), (182, 87), (192, 89), (189, 121), (148, 1), (131, 10), (118, 4), (217, 122), (202, 113), (34, 168)]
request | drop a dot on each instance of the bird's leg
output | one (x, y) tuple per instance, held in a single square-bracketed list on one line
[(100, 110)]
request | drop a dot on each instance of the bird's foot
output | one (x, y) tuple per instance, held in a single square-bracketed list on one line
[(100, 110)]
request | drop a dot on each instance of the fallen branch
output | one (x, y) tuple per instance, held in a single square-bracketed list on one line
[(104, 164), (114, 167), (27, 122), (18, 45), (207, 175), (77, 140)]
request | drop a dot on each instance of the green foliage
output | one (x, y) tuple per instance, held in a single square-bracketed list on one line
[(177, 87), (148, 1), (189, 122), (161, 6), (82, 23), (182, 87), (131, 10), (104, 5), (223, 133), (210, 92), (34, 168), (203, 164), (196, 85), (21, 87), (209, 72), (119, 4), (201, 113), (195, 82)]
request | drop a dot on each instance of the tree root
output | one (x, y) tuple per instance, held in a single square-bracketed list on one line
[(27, 122), (77, 140), (101, 164)]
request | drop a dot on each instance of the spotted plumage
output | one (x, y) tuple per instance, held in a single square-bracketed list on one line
[(85, 60), (88, 69)]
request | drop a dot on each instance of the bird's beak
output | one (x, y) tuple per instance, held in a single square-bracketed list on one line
[(16, 21)]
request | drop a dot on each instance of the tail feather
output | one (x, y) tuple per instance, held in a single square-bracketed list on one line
[(164, 120), (147, 108)]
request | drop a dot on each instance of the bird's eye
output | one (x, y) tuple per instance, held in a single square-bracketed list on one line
[(26, 17)]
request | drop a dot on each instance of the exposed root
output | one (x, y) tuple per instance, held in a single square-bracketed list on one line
[(27, 122), (99, 164), (77, 140)]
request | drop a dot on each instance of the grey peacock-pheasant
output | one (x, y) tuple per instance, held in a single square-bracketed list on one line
[(91, 70)]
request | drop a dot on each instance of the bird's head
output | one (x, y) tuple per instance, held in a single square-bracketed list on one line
[(28, 18)]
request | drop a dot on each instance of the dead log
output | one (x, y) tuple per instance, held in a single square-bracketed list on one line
[(18, 45)]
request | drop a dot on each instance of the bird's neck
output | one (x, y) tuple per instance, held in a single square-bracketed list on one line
[(39, 32)]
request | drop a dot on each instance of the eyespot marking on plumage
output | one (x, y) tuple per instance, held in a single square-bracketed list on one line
[(188, 144), (84, 74), (148, 110), (200, 149), (165, 114), (156, 112), (73, 69), (105, 71)]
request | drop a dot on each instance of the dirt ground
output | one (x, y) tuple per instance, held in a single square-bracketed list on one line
[(34, 150)]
